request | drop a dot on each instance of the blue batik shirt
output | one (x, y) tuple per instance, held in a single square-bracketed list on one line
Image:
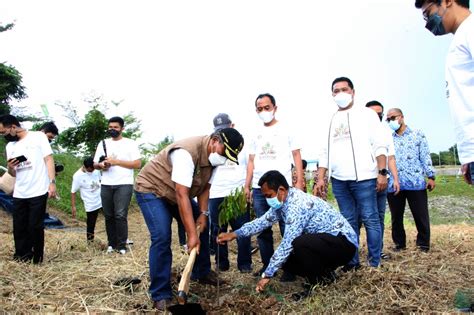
[(413, 160), (302, 214)]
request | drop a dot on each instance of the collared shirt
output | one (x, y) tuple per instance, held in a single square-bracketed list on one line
[(413, 159), (302, 214)]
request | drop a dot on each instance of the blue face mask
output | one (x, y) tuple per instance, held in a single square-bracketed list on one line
[(274, 202), (435, 24), (394, 125)]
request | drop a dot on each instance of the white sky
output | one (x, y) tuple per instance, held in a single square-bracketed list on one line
[(177, 64)]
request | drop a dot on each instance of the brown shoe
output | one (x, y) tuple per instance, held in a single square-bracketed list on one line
[(211, 279), (161, 304)]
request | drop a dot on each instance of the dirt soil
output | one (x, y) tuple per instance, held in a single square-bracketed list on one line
[(76, 277)]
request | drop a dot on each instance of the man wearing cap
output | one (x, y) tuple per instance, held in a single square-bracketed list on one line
[(228, 178), (165, 188)]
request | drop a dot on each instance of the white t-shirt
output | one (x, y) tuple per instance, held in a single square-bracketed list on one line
[(183, 167), (124, 149), (89, 186), (342, 155), (228, 177), (32, 175), (460, 88), (389, 138), (272, 147)]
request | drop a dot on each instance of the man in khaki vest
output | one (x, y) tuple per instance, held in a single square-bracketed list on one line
[(165, 188)]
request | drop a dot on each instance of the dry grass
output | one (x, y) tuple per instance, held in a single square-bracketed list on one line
[(80, 278)]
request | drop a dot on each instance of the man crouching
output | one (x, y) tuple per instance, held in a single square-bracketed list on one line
[(317, 238)]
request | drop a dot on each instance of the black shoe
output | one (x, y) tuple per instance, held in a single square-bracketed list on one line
[(224, 267), (287, 277), (348, 268), (245, 270), (423, 249), (398, 248), (385, 256)]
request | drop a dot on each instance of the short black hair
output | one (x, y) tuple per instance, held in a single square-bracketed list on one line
[(342, 79), (274, 180), (88, 162), (304, 163), (50, 127), (462, 3), (117, 119), (272, 99), (374, 103), (9, 120)]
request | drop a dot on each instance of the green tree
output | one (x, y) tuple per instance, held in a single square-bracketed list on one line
[(10, 87), (85, 134), (149, 150)]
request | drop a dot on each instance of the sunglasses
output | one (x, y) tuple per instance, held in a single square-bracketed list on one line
[(392, 118)]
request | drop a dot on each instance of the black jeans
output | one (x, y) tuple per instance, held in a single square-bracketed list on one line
[(418, 202), (91, 220), (115, 202), (315, 256), (28, 228)]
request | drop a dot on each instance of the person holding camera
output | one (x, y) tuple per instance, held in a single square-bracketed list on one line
[(30, 161), (117, 157)]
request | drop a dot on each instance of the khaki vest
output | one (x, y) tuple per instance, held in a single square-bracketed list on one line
[(155, 177)]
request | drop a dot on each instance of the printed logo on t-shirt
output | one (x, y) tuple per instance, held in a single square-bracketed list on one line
[(267, 152), (94, 185), (24, 166), (341, 132)]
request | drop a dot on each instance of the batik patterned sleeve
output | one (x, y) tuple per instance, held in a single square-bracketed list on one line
[(425, 156), (258, 225), (297, 217)]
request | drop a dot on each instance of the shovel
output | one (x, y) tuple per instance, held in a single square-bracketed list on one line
[(183, 288)]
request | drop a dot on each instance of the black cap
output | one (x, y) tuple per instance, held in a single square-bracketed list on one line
[(221, 121), (233, 143)]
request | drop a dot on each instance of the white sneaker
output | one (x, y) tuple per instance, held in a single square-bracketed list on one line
[(129, 242), (110, 250), (122, 251)]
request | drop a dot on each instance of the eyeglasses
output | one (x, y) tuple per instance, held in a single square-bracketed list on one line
[(426, 16), (392, 118)]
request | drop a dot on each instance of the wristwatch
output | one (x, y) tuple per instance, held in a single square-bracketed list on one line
[(52, 181), (206, 213), (383, 172), (264, 276)]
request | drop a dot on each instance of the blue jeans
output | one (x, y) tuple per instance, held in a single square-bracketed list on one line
[(115, 202), (358, 200), (244, 257), (265, 238), (158, 214)]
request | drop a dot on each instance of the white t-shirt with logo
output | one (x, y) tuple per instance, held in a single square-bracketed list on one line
[(228, 177), (342, 156), (89, 186), (272, 147), (460, 88), (183, 167), (124, 149), (32, 175)]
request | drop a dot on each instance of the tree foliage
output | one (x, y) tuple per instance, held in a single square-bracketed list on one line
[(449, 157), (85, 134), (149, 150), (10, 87)]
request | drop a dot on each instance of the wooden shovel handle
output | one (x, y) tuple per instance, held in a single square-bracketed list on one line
[(183, 287)]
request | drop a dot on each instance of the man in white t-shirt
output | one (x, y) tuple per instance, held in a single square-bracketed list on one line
[(272, 147), (453, 16), (225, 180), (30, 160), (87, 181), (355, 154), (117, 158)]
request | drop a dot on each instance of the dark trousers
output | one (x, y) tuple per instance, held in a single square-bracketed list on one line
[(115, 202), (28, 228), (315, 256), (418, 202), (91, 220)]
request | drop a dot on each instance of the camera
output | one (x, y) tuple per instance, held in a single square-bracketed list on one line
[(102, 158), (58, 168)]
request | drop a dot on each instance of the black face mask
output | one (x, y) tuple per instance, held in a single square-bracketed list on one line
[(10, 138), (113, 133), (380, 116)]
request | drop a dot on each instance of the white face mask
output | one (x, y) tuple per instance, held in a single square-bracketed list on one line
[(266, 117), (343, 99), (216, 159), (394, 125)]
